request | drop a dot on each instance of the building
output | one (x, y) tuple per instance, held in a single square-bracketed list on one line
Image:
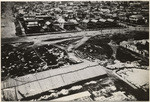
[(136, 19)]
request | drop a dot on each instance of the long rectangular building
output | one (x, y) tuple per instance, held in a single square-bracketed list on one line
[(33, 84)]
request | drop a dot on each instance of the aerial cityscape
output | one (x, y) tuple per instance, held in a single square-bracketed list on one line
[(75, 51)]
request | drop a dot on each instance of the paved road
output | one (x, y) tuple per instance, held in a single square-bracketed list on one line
[(40, 38), (8, 26)]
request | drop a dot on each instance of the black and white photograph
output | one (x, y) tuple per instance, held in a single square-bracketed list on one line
[(75, 51)]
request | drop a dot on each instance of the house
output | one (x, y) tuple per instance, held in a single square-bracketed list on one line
[(91, 24), (110, 23), (32, 25), (105, 10), (122, 16), (101, 23), (136, 18), (61, 21)]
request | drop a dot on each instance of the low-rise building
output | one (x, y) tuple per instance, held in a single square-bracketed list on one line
[(136, 18)]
